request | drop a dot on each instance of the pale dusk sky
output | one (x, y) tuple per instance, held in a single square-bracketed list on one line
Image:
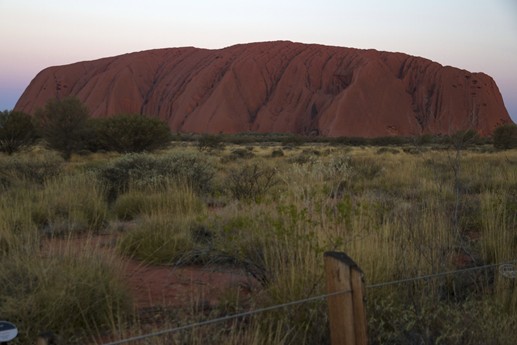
[(475, 35)]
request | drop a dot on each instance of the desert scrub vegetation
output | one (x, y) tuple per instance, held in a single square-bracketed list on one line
[(152, 170), (174, 197), (31, 167), (166, 218), (78, 294), (70, 203), (17, 131), (399, 213), (250, 182), (75, 291), (130, 133)]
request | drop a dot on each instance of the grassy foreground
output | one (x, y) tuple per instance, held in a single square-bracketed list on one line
[(272, 210)]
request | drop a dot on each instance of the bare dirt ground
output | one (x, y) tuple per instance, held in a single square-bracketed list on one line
[(165, 286), (169, 286)]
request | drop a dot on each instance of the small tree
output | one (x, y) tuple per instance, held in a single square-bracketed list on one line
[(463, 139), (17, 130), (505, 137), (62, 124), (250, 182), (132, 133), (210, 142)]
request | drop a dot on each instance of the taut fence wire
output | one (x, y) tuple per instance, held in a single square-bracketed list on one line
[(506, 269)]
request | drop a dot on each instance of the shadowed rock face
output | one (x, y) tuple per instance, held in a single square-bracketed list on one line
[(279, 87)]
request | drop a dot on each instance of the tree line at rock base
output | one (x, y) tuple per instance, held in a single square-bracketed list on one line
[(66, 126)]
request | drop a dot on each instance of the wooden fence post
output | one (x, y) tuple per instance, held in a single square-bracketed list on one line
[(347, 311)]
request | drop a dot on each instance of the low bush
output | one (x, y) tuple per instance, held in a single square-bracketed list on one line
[(147, 170), (130, 205), (208, 142), (389, 141), (17, 131), (365, 169), (74, 294), (277, 153), (464, 138), (414, 150), (428, 322), (302, 158), (250, 182), (312, 152), (387, 150), (505, 137), (158, 238), (241, 153), (172, 198), (33, 168), (131, 133), (17, 230), (70, 204), (62, 124)]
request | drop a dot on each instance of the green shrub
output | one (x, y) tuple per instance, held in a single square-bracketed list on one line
[(130, 205), (72, 203), (242, 153), (464, 138), (131, 133), (196, 169), (293, 140), (17, 230), (277, 153), (145, 170), (35, 168), (250, 182), (414, 150), (352, 141), (74, 294), (505, 137), (173, 198), (62, 124), (387, 150), (208, 142), (302, 158), (387, 141), (421, 320), (158, 238), (365, 169), (17, 131)]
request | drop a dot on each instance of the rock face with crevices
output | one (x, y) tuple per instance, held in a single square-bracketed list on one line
[(279, 87)]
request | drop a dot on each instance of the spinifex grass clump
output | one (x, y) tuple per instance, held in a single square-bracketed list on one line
[(17, 230), (74, 293), (32, 167), (70, 203), (162, 234), (143, 170), (250, 182), (170, 196), (158, 239)]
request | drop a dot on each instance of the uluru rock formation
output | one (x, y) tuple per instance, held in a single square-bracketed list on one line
[(279, 87)]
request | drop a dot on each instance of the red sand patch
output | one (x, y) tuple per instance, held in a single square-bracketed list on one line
[(169, 286), (165, 286)]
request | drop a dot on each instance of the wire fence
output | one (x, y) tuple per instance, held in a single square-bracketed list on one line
[(228, 317), (506, 269)]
